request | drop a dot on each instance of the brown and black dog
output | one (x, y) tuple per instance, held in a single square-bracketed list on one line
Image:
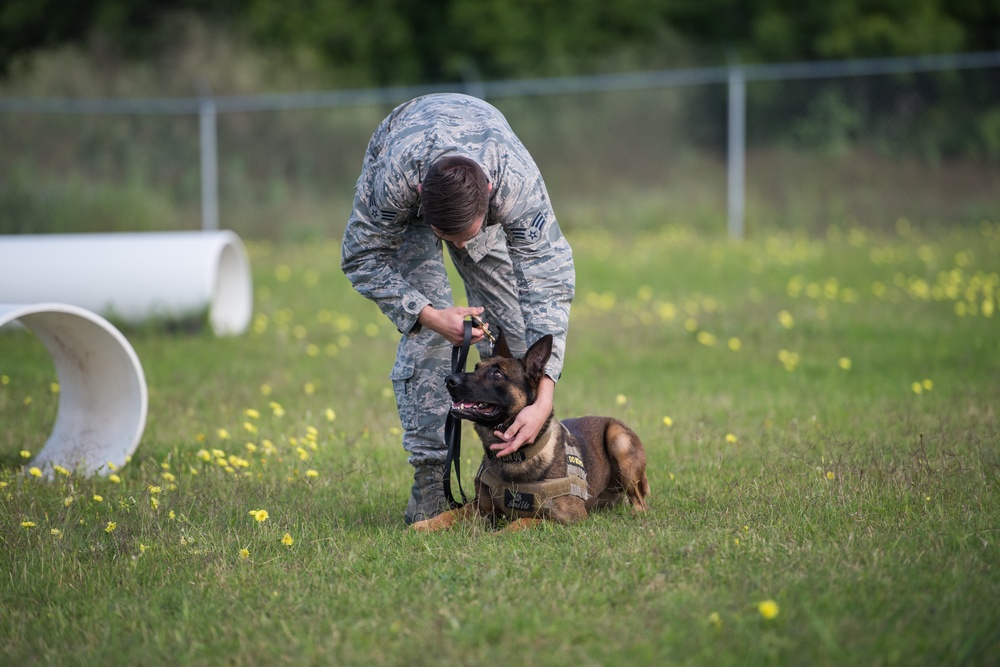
[(573, 466)]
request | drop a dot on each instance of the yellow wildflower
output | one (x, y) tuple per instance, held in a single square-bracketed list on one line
[(251, 413), (98, 498), (35, 472), (844, 363), (667, 421), (115, 478), (259, 515), (287, 540), (62, 471), (27, 524), (244, 553), (110, 528), (312, 473), (621, 399), (25, 454), (731, 439), (768, 609)]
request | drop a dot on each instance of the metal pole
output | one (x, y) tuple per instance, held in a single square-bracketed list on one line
[(736, 153), (207, 119)]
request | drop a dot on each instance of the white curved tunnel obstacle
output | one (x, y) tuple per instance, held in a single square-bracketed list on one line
[(103, 397), (133, 276)]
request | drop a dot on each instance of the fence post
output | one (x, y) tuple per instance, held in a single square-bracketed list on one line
[(207, 119), (736, 151)]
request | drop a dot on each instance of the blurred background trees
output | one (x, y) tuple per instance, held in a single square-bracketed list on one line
[(820, 151), (390, 42)]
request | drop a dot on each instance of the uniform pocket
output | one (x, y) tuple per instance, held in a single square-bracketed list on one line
[(402, 376)]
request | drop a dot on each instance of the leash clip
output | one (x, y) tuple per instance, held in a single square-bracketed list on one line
[(486, 332)]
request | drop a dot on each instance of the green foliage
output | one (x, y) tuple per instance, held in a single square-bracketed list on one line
[(385, 42), (30, 205), (820, 419), (778, 30)]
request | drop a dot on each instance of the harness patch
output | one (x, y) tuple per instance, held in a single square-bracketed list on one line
[(518, 500)]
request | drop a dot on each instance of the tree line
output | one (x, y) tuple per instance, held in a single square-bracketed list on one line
[(401, 42)]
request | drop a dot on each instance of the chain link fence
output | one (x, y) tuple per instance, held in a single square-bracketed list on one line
[(798, 146)]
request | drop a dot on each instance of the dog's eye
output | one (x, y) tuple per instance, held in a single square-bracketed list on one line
[(497, 373)]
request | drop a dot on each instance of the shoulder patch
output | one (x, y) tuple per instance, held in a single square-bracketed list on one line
[(533, 231)]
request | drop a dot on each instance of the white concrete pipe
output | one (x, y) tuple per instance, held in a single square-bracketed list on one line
[(102, 390), (134, 276)]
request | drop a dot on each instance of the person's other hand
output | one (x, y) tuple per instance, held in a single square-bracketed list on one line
[(529, 421)]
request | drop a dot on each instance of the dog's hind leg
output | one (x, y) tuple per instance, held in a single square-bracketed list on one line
[(626, 451)]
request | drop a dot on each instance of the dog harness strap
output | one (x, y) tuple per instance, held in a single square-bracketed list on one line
[(453, 426), (528, 499)]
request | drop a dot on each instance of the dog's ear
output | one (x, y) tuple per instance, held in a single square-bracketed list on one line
[(536, 358), (501, 349)]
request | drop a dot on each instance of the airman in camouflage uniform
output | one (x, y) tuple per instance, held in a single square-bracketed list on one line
[(518, 267)]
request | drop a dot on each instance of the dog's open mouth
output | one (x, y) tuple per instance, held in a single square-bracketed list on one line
[(471, 410)]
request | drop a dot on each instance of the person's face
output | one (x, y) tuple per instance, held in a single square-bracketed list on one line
[(461, 238)]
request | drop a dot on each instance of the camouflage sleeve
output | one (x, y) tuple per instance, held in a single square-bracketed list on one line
[(542, 262), (373, 236)]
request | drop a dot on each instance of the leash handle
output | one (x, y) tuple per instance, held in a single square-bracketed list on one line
[(453, 425)]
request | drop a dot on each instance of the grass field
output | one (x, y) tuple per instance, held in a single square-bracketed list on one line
[(820, 417)]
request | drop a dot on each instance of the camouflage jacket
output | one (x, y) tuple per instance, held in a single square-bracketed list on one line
[(405, 144)]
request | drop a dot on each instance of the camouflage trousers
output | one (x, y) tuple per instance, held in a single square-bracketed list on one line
[(423, 359)]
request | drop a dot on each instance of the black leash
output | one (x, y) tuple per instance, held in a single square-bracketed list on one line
[(453, 425)]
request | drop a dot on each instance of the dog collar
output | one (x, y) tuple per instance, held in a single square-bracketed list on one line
[(524, 453)]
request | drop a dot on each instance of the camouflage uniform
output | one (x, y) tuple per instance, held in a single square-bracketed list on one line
[(519, 267)]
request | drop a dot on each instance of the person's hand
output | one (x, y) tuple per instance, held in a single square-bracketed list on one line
[(529, 421), (450, 322)]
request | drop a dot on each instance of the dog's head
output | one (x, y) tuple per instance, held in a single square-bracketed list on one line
[(500, 386)]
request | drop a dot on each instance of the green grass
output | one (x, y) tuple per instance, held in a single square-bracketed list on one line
[(863, 501)]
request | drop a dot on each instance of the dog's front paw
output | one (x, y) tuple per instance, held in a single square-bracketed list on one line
[(442, 521)]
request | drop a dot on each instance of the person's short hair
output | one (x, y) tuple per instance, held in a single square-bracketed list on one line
[(455, 193)]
